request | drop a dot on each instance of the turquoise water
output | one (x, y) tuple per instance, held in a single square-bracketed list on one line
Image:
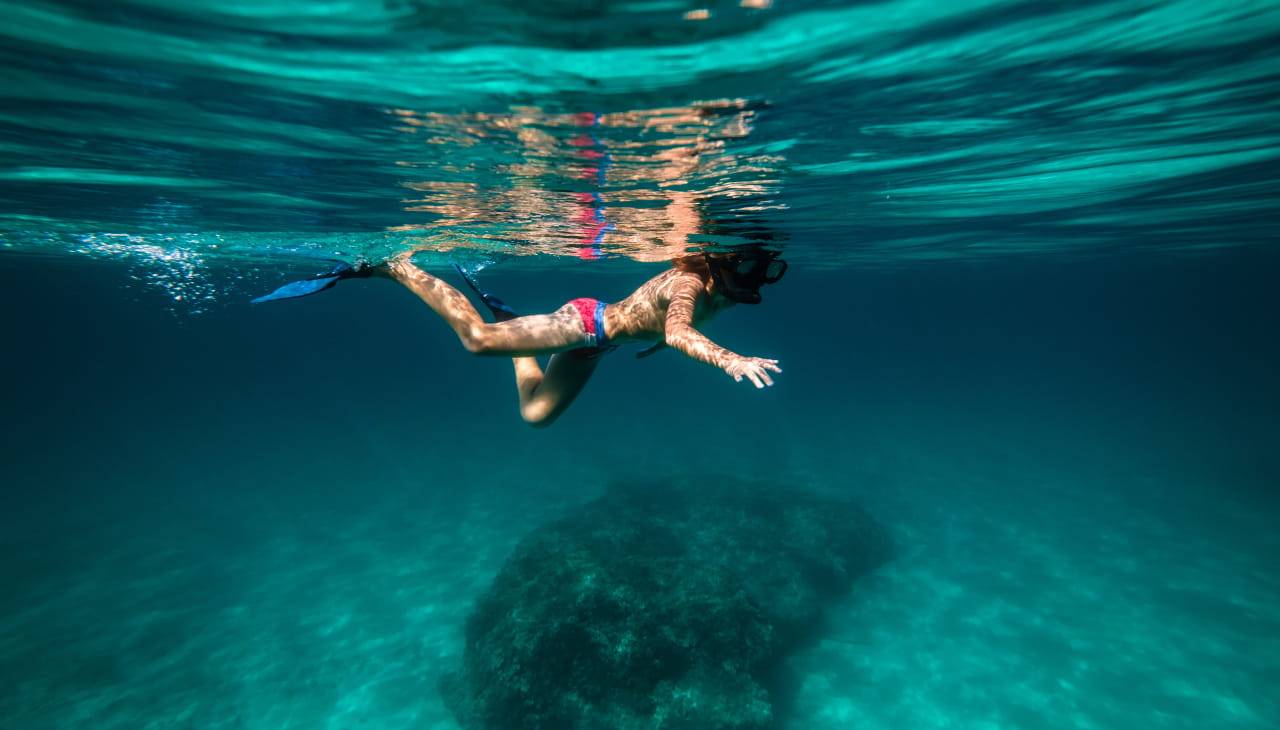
[(1028, 325)]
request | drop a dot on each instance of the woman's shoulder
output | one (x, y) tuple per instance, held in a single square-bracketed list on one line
[(657, 292), (672, 278)]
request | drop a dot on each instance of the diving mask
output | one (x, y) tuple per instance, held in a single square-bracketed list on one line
[(747, 273)]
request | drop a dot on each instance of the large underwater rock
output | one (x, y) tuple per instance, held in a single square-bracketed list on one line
[(660, 605)]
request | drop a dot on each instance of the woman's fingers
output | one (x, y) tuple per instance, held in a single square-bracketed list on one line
[(756, 370)]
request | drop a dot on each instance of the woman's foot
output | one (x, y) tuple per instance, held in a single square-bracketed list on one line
[(397, 267)]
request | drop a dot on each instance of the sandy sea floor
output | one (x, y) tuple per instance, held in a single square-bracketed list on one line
[(1020, 598)]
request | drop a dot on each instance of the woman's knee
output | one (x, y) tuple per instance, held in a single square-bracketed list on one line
[(538, 413), (478, 340)]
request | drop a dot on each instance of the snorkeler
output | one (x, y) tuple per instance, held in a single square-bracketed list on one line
[(666, 309)]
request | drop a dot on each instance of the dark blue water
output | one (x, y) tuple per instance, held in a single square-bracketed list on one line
[(1029, 325)]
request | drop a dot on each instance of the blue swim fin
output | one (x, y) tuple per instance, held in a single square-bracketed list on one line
[(317, 283), (501, 312)]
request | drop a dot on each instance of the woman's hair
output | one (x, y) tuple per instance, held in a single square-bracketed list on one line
[(695, 263)]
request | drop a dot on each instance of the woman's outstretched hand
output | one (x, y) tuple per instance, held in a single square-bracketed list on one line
[(755, 369)]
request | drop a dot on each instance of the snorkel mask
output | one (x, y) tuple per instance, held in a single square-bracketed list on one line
[(747, 272)]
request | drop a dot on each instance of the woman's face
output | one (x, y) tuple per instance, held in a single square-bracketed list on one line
[(735, 291)]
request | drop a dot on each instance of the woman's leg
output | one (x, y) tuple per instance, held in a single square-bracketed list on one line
[(543, 397), (537, 334)]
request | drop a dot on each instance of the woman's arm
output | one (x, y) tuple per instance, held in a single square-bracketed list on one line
[(680, 335)]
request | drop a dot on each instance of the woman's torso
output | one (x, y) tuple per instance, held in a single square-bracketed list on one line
[(643, 315)]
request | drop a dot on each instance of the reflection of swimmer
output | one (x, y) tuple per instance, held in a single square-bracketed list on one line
[(666, 309), (587, 184), (593, 224)]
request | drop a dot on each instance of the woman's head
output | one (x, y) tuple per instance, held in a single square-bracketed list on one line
[(738, 275)]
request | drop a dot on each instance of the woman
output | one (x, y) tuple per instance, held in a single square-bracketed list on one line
[(666, 309)]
